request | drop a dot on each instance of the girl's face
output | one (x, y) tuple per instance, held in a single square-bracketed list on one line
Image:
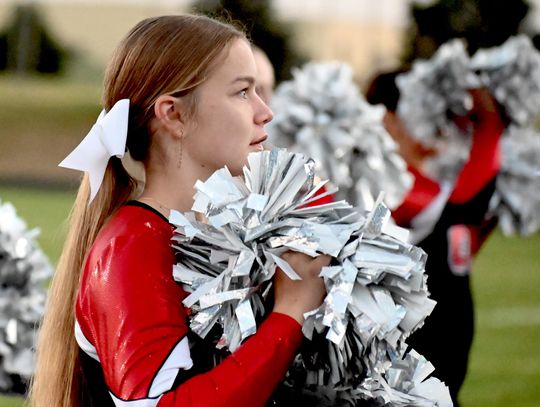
[(230, 117)]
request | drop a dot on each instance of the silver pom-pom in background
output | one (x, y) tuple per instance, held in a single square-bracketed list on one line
[(431, 93), (321, 113), (516, 201), (24, 270), (512, 73), (433, 90), (376, 290), (439, 86)]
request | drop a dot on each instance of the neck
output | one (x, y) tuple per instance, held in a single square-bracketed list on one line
[(174, 189)]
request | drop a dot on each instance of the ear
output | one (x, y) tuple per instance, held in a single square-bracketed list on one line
[(168, 114)]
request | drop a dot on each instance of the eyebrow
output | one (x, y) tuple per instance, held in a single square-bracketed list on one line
[(248, 79)]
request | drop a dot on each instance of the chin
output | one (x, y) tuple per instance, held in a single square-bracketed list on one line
[(235, 167)]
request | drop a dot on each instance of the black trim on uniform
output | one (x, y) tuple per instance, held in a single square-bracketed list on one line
[(162, 363), (95, 392), (148, 207), (98, 393)]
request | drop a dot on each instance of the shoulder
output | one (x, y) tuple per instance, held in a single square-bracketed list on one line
[(134, 245), (132, 228), (130, 261), (132, 220)]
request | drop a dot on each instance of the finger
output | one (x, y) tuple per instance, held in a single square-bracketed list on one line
[(321, 261), (291, 256)]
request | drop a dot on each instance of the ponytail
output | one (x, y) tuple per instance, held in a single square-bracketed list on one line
[(57, 376)]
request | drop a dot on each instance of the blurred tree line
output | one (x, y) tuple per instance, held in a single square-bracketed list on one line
[(481, 23), (26, 46), (258, 20)]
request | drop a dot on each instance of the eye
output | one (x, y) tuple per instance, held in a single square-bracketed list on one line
[(244, 93)]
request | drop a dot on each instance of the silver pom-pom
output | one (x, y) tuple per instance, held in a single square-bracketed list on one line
[(407, 380), (322, 114), (452, 154), (24, 269), (516, 201), (433, 89), (376, 288), (440, 85), (430, 93), (512, 73)]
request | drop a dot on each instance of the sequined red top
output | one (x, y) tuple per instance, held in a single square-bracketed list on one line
[(131, 328)]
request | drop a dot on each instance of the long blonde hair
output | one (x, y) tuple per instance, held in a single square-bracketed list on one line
[(160, 55)]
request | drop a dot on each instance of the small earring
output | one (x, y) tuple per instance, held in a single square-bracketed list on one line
[(180, 148)]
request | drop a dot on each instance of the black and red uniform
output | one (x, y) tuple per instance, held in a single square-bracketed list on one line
[(452, 226), (133, 334)]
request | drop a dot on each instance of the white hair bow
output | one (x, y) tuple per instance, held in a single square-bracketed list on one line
[(106, 139)]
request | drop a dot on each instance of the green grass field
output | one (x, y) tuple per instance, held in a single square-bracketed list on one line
[(41, 121), (505, 365)]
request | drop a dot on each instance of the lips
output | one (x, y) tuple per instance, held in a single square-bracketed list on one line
[(259, 140)]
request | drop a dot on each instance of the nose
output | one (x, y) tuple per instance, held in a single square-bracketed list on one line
[(263, 114)]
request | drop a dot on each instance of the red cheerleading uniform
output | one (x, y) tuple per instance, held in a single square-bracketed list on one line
[(422, 206), (324, 200), (427, 198), (132, 328), (457, 227)]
